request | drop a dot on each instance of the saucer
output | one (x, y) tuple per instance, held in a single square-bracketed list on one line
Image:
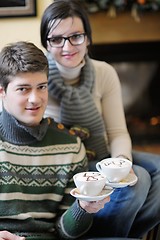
[(130, 180), (104, 193)]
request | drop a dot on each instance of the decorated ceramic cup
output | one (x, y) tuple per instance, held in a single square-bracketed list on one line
[(90, 183), (115, 169)]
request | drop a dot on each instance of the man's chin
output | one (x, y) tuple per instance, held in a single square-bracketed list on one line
[(31, 123)]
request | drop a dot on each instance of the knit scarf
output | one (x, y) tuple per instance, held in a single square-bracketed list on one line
[(14, 132), (77, 105)]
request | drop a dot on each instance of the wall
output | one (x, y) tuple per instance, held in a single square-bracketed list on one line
[(123, 28), (28, 29)]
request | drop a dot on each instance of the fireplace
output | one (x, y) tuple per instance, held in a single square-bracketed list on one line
[(138, 66)]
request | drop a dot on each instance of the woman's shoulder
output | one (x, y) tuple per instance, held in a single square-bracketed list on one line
[(102, 65), (105, 73)]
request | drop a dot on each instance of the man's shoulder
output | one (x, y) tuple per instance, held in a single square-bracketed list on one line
[(60, 133)]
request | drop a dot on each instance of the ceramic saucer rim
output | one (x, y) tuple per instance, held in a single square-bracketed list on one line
[(109, 191), (122, 184)]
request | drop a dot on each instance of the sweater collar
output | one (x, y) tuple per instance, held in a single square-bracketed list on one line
[(14, 132), (70, 74)]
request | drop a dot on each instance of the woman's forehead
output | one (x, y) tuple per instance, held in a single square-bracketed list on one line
[(66, 26)]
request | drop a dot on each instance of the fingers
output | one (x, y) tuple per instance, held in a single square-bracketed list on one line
[(90, 207), (101, 203), (132, 171), (5, 235), (93, 207)]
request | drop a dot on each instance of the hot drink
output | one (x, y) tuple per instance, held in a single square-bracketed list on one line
[(89, 183), (90, 176), (115, 169)]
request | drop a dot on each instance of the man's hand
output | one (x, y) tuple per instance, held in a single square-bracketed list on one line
[(93, 207), (5, 235)]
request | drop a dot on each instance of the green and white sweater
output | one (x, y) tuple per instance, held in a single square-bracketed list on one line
[(36, 175)]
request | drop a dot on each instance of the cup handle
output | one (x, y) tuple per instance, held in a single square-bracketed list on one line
[(98, 166)]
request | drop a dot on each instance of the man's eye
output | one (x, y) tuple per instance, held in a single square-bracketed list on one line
[(43, 87), (22, 89), (56, 40)]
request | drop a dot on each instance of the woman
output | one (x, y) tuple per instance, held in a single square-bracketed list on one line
[(87, 93)]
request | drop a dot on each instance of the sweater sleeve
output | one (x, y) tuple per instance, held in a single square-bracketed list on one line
[(74, 222), (110, 104)]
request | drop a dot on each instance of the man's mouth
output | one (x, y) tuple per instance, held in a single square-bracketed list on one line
[(33, 108)]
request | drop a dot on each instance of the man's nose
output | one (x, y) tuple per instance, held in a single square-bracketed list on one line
[(33, 97)]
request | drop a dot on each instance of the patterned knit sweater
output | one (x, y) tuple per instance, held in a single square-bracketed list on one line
[(36, 170)]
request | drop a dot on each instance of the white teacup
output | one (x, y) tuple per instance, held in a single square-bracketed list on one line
[(115, 169), (89, 183)]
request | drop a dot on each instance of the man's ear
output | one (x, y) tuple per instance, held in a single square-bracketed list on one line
[(2, 92)]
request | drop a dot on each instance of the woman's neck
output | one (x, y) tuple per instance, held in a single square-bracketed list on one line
[(70, 75)]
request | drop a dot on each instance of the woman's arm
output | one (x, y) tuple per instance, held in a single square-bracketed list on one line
[(108, 89)]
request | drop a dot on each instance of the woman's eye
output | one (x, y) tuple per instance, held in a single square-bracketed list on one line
[(56, 40), (77, 36)]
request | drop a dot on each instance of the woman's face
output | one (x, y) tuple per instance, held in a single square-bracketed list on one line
[(68, 56)]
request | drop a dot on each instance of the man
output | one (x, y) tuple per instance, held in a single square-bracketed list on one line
[(38, 157)]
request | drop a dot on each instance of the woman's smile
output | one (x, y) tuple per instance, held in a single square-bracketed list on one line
[(69, 55)]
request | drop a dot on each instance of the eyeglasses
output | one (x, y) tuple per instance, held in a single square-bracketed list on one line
[(75, 40)]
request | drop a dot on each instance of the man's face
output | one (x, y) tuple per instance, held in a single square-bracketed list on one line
[(26, 97)]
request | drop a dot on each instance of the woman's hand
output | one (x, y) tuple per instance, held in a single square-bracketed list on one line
[(132, 171), (93, 207), (5, 235)]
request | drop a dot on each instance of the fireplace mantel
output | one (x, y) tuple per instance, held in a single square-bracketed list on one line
[(124, 29), (127, 52)]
